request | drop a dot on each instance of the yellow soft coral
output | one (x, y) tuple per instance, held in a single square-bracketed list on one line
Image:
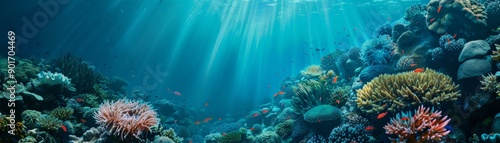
[(408, 89), (496, 54)]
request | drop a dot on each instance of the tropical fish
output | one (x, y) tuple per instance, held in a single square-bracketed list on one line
[(177, 93), (206, 103), (381, 115), (281, 92), (439, 9), (418, 70), (432, 20), (405, 119), (412, 65), (369, 128), (197, 122), (207, 119), (265, 111), (449, 41), (335, 79), (454, 36), (251, 129), (255, 114), (338, 101), (79, 100), (64, 128), (83, 120)]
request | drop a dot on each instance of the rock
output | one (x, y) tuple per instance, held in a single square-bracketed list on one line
[(474, 67), (473, 49)]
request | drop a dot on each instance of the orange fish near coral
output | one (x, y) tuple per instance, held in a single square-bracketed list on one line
[(439, 9), (454, 36), (177, 93), (369, 128), (207, 119), (338, 101), (335, 79), (255, 114), (206, 104), (83, 120), (432, 20), (197, 122), (79, 100), (281, 92), (64, 128), (264, 111), (412, 65), (381, 115), (405, 119), (418, 70)]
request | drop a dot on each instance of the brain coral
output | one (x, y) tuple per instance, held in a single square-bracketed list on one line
[(407, 89), (441, 14), (323, 113), (125, 117)]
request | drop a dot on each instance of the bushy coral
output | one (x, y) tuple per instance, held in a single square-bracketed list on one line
[(415, 14), (312, 71), (30, 118), (328, 62), (170, 133), (316, 139), (405, 63), (490, 84), (308, 94), (496, 54), (442, 14), (62, 113), (285, 128), (377, 51), (449, 43), (267, 137), (232, 137), (407, 89), (397, 31), (352, 131), (49, 123), (126, 117), (436, 53), (81, 74), (493, 11), (425, 125), (339, 96), (384, 29), (90, 100), (370, 72)]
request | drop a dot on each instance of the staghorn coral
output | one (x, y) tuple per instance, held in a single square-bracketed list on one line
[(49, 123), (285, 128), (452, 10), (424, 125), (62, 113), (307, 95), (496, 54), (30, 118), (126, 117), (397, 91), (267, 137), (490, 84)]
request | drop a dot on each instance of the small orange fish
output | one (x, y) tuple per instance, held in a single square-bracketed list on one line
[(206, 104), (275, 95), (335, 79), (381, 115), (319, 121), (454, 36), (197, 122), (369, 128), (79, 100), (338, 101), (405, 119), (449, 41), (251, 129), (64, 128), (83, 120), (412, 65), (418, 70), (439, 9), (264, 111), (281, 92), (207, 119), (432, 20), (255, 114)]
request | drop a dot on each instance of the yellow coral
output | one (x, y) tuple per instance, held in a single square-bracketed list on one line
[(407, 89), (62, 113), (496, 54)]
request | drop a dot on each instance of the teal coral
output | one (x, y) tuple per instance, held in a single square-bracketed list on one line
[(323, 113), (62, 113), (49, 123), (308, 94), (285, 128), (267, 137), (232, 137), (90, 100), (170, 133), (30, 118)]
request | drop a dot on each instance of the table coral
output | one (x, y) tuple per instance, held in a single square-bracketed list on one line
[(424, 125), (397, 91)]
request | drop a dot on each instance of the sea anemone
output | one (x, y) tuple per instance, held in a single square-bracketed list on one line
[(125, 117)]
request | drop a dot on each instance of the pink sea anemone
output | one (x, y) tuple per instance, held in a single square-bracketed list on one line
[(125, 117), (424, 125)]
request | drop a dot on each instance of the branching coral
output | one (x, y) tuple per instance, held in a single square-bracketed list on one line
[(397, 91), (82, 75), (490, 84), (170, 133), (62, 113), (49, 122), (124, 117), (308, 94), (424, 125), (352, 131), (496, 54)]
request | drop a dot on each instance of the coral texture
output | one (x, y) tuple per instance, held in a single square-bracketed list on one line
[(308, 94), (124, 117), (424, 125), (397, 91), (377, 51)]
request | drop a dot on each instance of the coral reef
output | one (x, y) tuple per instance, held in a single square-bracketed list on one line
[(126, 117), (377, 51), (424, 125), (316, 139), (493, 11), (90, 100), (49, 122), (308, 94), (323, 113), (352, 131), (496, 54), (384, 29), (449, 43), (415, 14), (436, 53), (171, 134), (312, 71), (441, 14), (50, 79), (340, 96), (232, 137), (397, 31), (62, 113), (285, 128), (405, 63), (267, 137), (490, 84), (393, 92), (370, 72), (328, 62), (81, 74)]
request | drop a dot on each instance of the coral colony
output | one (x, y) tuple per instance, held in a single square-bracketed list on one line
[(413, 81)]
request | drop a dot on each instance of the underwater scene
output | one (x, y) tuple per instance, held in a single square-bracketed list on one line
[(250, 71)]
